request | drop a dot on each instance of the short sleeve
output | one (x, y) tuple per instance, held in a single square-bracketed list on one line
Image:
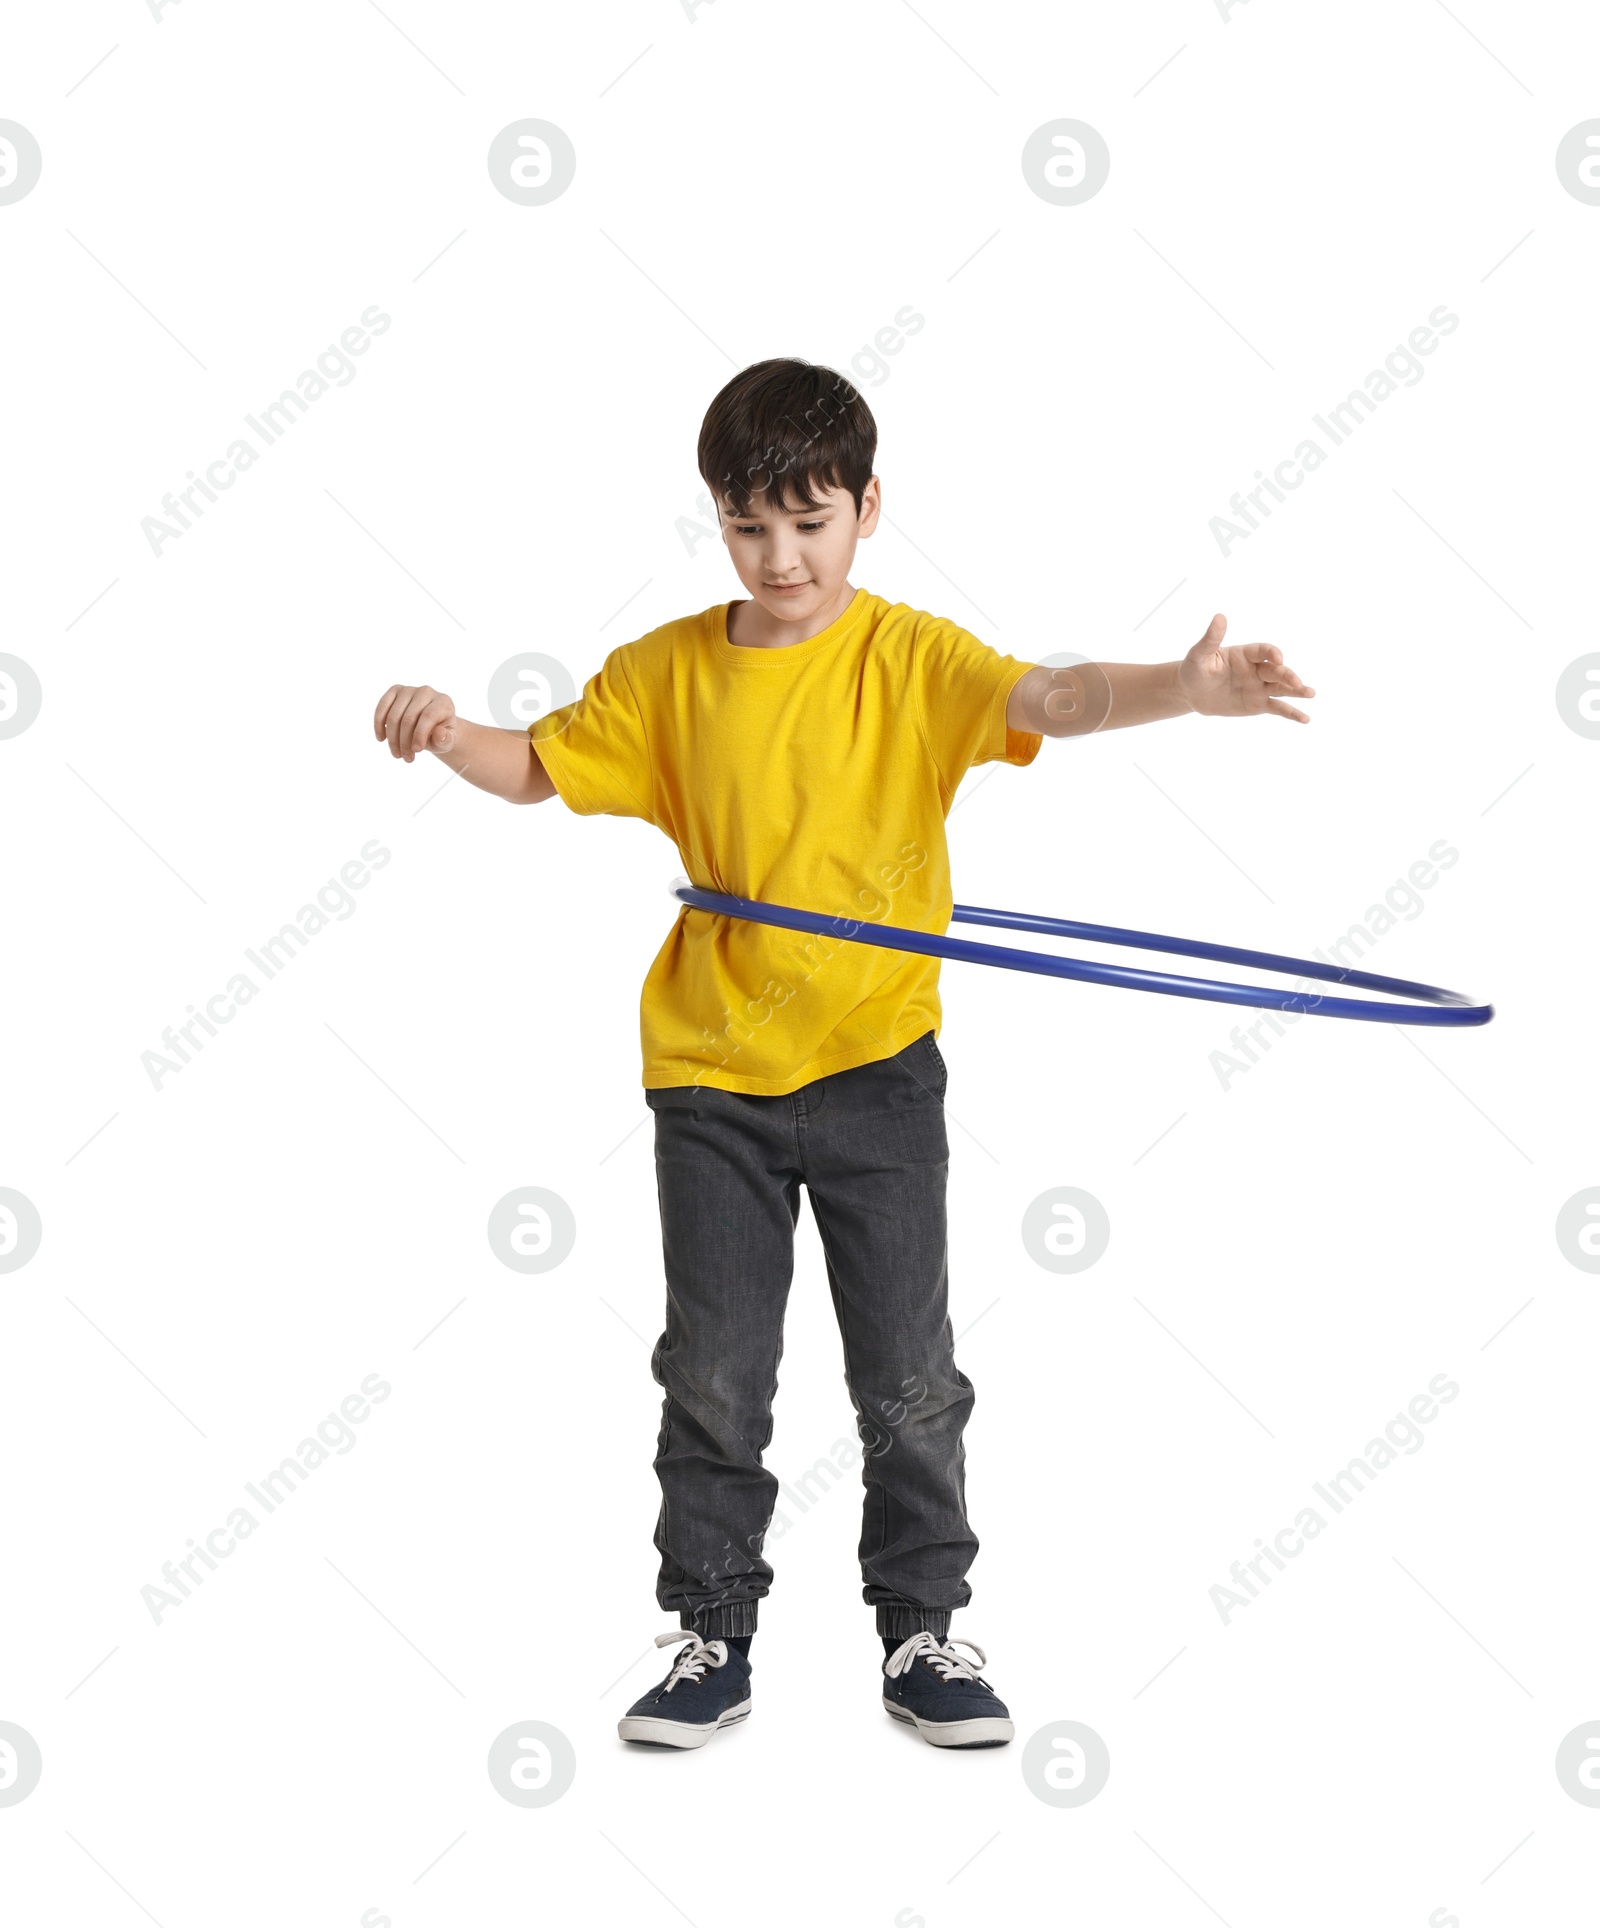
[(962, 687), (596, 750)]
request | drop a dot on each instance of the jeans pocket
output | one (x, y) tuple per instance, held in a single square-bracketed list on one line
[(936, 1059)]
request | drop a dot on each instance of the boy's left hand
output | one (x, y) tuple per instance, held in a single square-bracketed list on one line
[(1246, 679)]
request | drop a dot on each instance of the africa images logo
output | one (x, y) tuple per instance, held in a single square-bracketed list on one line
[(1401, 367)]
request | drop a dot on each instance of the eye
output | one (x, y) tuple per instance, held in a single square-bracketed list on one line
[(806, 528)]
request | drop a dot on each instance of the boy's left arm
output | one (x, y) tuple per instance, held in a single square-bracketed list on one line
[(1248, 679)]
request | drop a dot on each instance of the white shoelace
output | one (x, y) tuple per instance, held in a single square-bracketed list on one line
[(692, 1663), (943, 1658)]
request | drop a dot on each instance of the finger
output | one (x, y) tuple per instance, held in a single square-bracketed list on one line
[(1288, 681), (1262, 653), (394, 720), (420, 699), (1279, 708), (437, 713), (394, 710), (382, 710), (1216, 630)]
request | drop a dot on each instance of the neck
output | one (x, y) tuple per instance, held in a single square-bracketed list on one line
[(752, 627)]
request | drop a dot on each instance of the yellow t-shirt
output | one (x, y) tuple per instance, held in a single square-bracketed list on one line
[(817, 776)]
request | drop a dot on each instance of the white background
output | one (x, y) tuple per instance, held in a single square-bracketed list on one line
[(224, 1259)]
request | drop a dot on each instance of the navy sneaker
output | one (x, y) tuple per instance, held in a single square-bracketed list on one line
[(932, 1687), (708, 1689)]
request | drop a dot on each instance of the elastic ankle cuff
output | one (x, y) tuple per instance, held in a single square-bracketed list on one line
[(898, 1622), (712, 1623)]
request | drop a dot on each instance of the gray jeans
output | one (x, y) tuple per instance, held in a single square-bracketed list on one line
[(869, 1146)]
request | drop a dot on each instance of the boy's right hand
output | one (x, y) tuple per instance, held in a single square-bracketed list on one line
[(413, 718)]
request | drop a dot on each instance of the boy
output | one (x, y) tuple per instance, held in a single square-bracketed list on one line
[(804, 747)]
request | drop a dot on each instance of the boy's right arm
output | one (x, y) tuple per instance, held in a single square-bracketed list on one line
[(412, 718)]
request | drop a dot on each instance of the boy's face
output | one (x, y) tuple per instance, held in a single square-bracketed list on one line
[(795, 562)]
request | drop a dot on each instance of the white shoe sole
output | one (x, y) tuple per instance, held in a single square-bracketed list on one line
[(677, 1733), (989, 1732)]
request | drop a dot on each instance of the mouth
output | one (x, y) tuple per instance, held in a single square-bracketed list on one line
[(786, 588)]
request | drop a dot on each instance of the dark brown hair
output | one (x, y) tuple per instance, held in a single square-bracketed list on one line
[(786, 427)]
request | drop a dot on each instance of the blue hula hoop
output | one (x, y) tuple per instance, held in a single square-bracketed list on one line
[(1432, 1006)]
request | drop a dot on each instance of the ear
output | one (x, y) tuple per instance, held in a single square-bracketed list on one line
[(871, 503)]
